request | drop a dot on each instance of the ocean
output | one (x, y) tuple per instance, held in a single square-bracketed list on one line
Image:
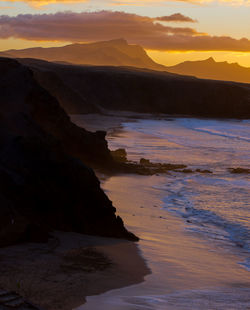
[(217, 205), (194, 227)]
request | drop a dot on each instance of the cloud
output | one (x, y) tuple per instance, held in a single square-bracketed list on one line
[(108, 25), (39, 3), (161, 2), (85, 26), (199, 43), (176, 18)]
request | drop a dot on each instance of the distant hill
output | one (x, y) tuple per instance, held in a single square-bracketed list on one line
[(210, 69), (119, 53), (108, 53)]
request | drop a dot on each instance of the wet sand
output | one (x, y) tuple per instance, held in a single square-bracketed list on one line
[(187, 271)]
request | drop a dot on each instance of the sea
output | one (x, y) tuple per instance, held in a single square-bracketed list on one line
[(194, 227)]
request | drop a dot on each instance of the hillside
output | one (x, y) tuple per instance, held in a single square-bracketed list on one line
[(107, 53), (210, 69), (141, 90)]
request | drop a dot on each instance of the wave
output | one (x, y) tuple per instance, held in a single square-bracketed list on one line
[(217, 227), (230, 299), (228, 129), (184, 199), (223, 134)]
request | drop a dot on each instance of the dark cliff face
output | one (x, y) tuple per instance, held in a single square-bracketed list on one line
[(28, 108), (72, 101), (44, 182), (149, 91)]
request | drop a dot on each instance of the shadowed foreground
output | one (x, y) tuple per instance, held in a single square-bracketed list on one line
[(61, 273)]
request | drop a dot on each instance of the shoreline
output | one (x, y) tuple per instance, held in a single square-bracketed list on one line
[(44, 272), (134, 276), (188, 270)]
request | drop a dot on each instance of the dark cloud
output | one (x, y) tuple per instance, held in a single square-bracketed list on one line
[(107, 25), (85, 26)]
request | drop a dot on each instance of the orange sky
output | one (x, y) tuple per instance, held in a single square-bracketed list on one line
[(172, 58), (170, 31)]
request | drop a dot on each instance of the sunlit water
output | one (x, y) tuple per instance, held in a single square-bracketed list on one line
[(195, 228), (216, 205)]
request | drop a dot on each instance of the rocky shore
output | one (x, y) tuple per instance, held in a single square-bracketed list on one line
[(12, 300)]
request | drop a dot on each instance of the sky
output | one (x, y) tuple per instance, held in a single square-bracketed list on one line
[(170, 31)]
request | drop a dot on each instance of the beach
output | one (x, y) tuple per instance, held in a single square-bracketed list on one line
[(61, 273), (198, 256), (193, 227)]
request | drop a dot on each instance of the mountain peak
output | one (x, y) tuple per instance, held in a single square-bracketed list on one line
[(116, 52), (210, 59), (119, 41)]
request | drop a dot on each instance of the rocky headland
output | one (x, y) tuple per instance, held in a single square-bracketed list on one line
[(46, 183)]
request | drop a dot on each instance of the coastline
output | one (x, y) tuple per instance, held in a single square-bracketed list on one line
[(60, 274), (188, 270), (171, 267)]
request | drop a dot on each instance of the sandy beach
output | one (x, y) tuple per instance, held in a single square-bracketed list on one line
[(60, 274), (187, 272)]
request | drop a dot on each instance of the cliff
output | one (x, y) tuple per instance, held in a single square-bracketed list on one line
[(45, 183), (142, 90)]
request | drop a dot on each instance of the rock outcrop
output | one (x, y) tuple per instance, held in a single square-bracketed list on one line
[(239, 170), (11, 300), (45, 183)]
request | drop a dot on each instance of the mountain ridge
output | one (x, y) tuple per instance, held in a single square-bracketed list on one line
[(211, 69), (114, 52), (118, 52)]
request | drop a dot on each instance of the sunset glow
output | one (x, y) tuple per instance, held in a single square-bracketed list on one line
[(170, 31)]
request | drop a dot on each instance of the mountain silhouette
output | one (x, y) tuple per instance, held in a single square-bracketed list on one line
[(119, 53), (107, 53), (210, 69)]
